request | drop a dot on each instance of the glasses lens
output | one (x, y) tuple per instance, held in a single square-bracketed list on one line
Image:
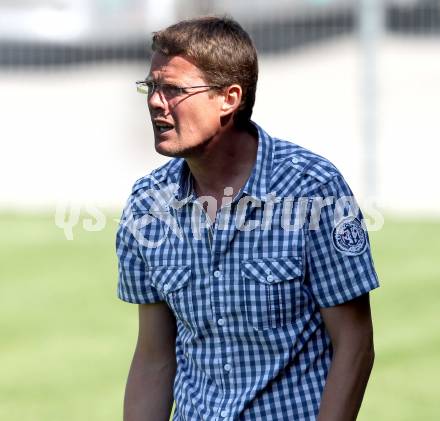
[(171, 91), (168, 91), (141, 88), (151, 87), (145, 87)]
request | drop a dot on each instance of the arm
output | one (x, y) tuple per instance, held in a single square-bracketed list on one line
[(351, 332), (149, 390)]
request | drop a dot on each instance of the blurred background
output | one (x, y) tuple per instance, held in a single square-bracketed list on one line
[(356, 81)]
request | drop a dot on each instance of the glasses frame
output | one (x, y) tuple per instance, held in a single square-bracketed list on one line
[(143, 87)]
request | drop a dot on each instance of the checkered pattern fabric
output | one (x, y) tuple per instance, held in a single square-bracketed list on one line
[(246, 291)]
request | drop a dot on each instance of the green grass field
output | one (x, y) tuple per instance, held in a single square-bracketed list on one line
[(66, 341)]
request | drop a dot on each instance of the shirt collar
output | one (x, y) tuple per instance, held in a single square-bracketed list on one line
[(182, 176), (257, 185)]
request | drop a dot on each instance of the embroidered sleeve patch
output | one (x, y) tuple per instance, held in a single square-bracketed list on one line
[(349, 237)]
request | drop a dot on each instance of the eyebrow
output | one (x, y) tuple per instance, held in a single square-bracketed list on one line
[(163, 82)]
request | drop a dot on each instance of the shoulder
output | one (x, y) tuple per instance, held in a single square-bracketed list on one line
[(154, 187), (159, 176), (298, 171)]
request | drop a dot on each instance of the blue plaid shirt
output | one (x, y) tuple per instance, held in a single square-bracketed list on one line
[(246, 291)]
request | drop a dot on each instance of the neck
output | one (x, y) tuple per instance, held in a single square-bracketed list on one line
[(227, 161)]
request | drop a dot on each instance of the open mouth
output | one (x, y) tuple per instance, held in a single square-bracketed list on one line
[(162, 127)]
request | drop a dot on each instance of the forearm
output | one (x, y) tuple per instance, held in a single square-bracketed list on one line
[(346, 382), (149, 390)]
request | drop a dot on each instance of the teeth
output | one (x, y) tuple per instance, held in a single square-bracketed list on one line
[(162, 127)]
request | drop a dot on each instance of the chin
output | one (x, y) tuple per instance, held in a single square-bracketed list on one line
[(167, 150), (176, 150)]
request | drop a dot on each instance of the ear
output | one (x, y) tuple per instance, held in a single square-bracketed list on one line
[(231, 99)]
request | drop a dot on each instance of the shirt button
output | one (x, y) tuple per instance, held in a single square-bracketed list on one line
[(217, 274), (295, 160), (269, 278), (166, 288), (227, 367), (224, 414), (221, 322)]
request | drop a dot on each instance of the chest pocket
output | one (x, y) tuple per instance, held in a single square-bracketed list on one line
[(272, 291), (174, 284)]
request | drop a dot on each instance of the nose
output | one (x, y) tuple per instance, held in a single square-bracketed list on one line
[(156, 100)]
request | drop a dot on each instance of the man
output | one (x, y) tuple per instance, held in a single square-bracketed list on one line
[(246, 254)]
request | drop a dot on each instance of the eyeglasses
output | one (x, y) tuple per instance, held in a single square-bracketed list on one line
[(169, 91)]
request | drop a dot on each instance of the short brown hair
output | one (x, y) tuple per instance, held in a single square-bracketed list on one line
[(221, 49)]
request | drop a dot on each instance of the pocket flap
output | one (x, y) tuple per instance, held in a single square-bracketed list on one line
[(170, 278), (270, 271)]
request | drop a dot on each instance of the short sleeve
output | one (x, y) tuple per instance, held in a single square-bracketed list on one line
[(339, 262), (133, 283)]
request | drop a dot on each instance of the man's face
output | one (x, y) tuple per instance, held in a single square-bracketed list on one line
[(182, 121)]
